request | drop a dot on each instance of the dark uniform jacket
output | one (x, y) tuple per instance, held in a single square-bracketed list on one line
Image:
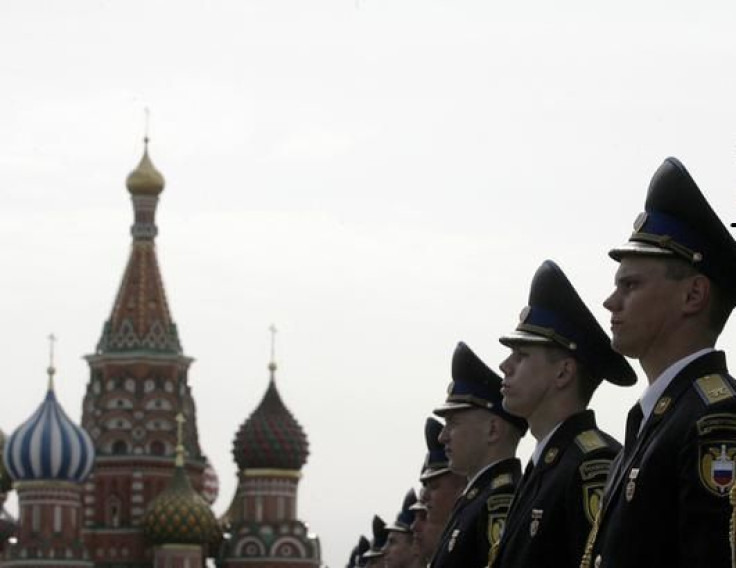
[(666, 503), (554, 509), (477, 520)]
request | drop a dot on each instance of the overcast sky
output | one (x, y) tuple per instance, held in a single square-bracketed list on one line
[(378, 178)]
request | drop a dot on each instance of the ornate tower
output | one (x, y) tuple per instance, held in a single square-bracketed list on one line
[(138, 384), (49, 457), (270, 449)]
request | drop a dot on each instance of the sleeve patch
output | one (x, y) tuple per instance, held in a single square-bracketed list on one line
[(717, 466), (716, 423), (713, 389), (501, 480), (589, 441), (594, 468), (499, 503)]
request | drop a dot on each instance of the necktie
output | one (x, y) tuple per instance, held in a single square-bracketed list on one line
[(633, 423)]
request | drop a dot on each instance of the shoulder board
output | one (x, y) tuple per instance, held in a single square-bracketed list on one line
[(589, 441), (501, 480), (713, 389), (496, 502)]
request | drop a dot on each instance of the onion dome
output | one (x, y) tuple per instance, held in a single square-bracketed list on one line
[(271, 438), (145, 179), (210, 483), (5, 482), (49, 446), (179, 515)]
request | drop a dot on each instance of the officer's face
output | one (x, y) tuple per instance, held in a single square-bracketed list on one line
[(426, 535), (466, 437), (529, 376), (644, 306), (398, 550), (440, 494)]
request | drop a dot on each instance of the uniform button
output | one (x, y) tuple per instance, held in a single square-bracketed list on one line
[(598, 561)]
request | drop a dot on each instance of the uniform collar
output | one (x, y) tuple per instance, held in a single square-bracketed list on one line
[(655, 390), (541, 444), (478, 475)]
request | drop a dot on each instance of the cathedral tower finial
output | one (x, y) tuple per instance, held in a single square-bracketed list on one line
[(51, 370), (272, 364), (180, 440)]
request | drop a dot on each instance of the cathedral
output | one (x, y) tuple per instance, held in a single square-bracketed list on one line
[(130, 487)]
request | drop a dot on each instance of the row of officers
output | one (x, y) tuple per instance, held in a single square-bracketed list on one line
[(664, 498)]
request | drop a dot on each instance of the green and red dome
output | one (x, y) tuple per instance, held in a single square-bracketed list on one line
[(271, 438)]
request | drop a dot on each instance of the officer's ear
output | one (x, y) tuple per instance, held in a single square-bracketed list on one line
[(696, 294), (567, 368)]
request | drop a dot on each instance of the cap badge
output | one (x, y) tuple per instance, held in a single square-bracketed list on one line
[(536, 519), (524, 314), (472, 493), (640, 221)]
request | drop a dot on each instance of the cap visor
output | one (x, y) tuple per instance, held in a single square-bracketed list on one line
[(523, 337), (374, 554), (451, 407), (418, 507), (431, 474), (398, 528), (638, 248)]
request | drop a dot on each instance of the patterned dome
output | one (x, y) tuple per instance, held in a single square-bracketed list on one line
[(145, 179), (271, 438), (49, 446), (179, 515)]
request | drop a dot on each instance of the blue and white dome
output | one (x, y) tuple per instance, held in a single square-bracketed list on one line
[(49, 446)]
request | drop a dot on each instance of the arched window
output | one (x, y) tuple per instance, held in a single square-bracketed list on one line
[(112, 512), (119, 447), (157, 448)]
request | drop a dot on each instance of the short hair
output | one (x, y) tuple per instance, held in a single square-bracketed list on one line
[(721, 305), (586, 382)]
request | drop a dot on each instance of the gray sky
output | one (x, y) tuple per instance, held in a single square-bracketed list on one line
[(379, 178)]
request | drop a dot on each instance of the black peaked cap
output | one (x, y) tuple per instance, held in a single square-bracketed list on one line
[(475, 385), (556, 315), (405, 518), (380, 536), (436, 462), (679, 222)]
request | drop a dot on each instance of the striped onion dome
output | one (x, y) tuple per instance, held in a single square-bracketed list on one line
[(271, 438), (49, 446)]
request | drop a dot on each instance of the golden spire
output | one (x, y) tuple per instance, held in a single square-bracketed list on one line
[(51, 370), (272, 364), (179, 462)]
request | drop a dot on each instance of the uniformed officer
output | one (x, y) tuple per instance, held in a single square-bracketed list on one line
[(667, 500), (373, 557), (480, 439), (559, 356), (399, 550), (440, 490)]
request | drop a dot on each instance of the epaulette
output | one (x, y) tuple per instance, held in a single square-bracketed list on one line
[(713, 389), (501, 480), (589, 441)]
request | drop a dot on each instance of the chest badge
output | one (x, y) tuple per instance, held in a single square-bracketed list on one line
[(453, 540), (631, 485), (536, 519)]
